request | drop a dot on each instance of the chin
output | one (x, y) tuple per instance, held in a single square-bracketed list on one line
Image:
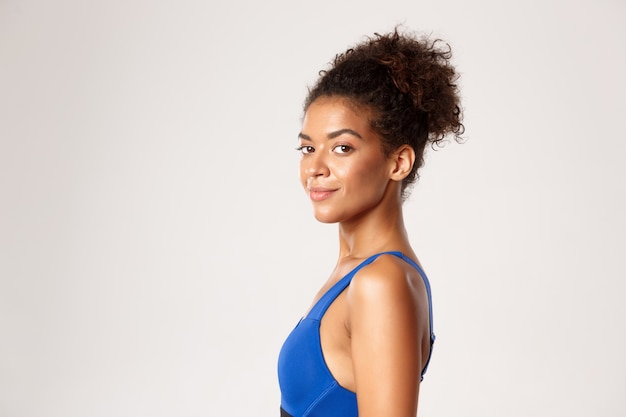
[(328, 218), (325, 219)]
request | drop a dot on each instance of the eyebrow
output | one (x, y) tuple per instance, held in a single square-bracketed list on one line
[(333, 135)]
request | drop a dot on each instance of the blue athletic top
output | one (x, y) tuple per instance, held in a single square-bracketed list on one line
[(308, 389)]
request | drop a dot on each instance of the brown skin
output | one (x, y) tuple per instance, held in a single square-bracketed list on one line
[(409, 84), (375, 336)]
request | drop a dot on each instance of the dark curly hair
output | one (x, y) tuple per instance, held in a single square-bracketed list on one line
[(408, 84)]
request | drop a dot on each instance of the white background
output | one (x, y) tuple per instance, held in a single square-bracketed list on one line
[(156, 249)]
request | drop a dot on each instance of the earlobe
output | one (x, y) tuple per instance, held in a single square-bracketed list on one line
[(403, 160)]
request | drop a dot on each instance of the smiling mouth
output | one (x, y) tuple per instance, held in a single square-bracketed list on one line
[(320, 194)]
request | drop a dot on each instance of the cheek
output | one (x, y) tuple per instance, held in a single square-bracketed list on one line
[(367, 172), (302, 173)]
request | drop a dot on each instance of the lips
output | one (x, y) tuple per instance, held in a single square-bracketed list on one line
[(320, 193)]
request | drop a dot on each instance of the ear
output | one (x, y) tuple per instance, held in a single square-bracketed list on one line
[(402, 162)]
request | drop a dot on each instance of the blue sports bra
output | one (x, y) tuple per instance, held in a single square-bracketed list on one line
[(308, 389)]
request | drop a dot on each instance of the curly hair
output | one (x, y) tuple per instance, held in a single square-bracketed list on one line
[(408, 84)]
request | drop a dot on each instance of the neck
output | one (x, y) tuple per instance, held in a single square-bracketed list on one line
[(373, 232)]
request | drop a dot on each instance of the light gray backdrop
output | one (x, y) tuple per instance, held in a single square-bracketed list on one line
[(156, 248)]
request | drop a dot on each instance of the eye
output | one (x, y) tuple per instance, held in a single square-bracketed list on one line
[(305, 149), (341, 149)]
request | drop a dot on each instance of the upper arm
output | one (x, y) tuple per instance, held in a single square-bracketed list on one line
[(387, 329)]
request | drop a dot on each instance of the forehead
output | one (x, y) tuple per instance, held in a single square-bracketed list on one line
[(328, 114)]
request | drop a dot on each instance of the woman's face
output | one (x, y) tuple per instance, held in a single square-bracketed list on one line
[(343, 168)]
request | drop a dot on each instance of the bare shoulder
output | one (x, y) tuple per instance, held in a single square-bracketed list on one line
[(388, 292), (388, 325), (387, 277)]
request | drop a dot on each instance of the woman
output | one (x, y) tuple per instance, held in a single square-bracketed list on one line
[(364, 345)]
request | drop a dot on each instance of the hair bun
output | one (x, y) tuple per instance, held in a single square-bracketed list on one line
[(409, 83)]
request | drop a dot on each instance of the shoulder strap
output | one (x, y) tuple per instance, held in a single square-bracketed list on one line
[(318, 310), (430, 308), (426, 284)]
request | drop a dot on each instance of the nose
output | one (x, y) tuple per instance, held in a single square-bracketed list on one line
[(314, 165)]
